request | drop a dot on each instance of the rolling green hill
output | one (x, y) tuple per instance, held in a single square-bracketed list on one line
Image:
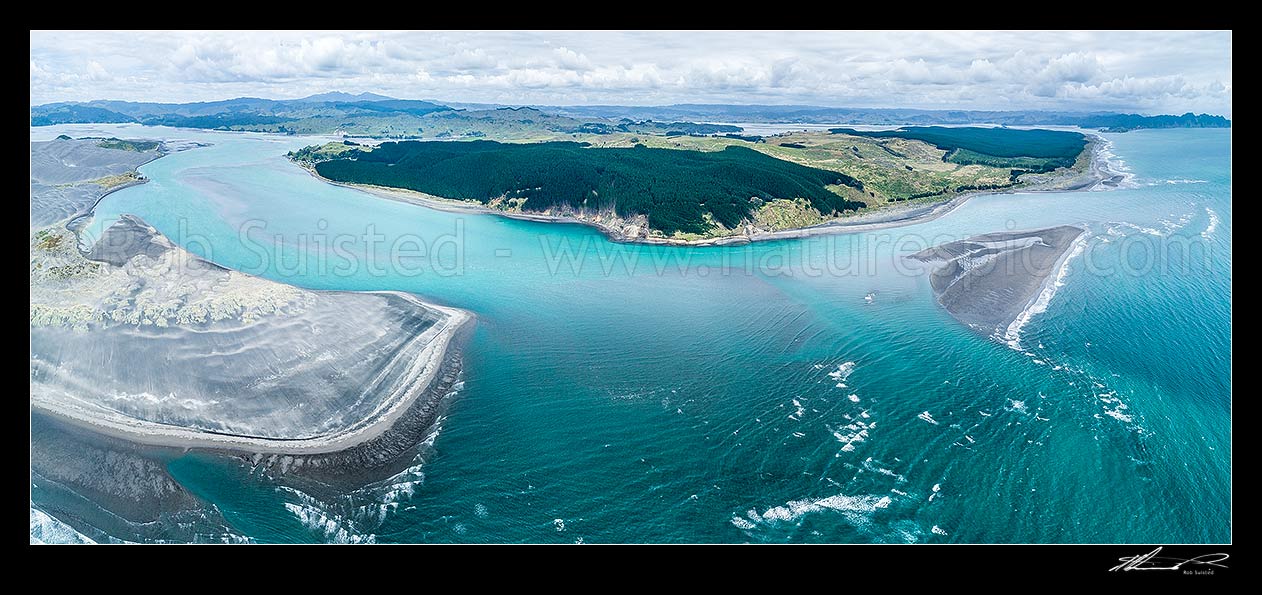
[(1027, 150), (364, 115)]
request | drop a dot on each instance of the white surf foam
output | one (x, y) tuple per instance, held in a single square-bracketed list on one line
[(1114, 406), (1213, 223), (791, 511), (1118, 415), (400, 486), (843, 371), (1173, 225), (46, 529), (1012, 335), (924, 415), (873, 467), (1114, 166), (1115, 229), (852, 434), (330, 526)]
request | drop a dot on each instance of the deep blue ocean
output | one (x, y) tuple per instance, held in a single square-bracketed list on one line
[(803, 390)]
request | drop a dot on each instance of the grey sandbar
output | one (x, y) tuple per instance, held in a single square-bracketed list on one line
[(987, 281)]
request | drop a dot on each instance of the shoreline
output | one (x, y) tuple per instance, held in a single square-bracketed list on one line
[(996, 282), (1097, 173), (72, 224), (1011, 335), (163, 151)]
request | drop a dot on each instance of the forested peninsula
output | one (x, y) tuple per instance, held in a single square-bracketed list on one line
[(698, 189)]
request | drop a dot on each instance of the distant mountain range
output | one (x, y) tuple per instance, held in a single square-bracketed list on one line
[(340, 96), (370, 114), (241, 113), (807, 114), (363, 115)]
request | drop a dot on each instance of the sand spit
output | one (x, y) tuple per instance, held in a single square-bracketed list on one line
[(988, 281), (143, 341)]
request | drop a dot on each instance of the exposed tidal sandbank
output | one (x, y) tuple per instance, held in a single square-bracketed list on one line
[(142, 341), (988, 281)]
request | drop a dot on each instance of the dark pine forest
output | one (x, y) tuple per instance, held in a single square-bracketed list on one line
[(675, 189)]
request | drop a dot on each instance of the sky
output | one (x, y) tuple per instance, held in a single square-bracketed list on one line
[(1131, 71)]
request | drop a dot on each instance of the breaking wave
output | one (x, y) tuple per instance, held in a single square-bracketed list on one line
[(856, 508), (48, 530), (1012, 335)]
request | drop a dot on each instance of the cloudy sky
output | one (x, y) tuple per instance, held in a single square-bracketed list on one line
[(1146, 72)]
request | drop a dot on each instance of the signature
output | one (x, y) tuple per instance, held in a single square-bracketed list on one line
[(1151, 561)]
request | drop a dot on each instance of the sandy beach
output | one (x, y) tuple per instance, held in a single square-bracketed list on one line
[(990, 281)]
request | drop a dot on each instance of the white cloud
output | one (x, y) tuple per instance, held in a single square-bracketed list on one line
[(471, 60), (983, 71), (1170, 72), (1062, 72), (96, 72), (569, 59)]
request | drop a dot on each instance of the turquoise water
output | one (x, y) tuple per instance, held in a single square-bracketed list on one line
[(683, 394)]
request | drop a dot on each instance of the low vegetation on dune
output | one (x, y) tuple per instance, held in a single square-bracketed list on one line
[(139, 146), (114, 181)]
